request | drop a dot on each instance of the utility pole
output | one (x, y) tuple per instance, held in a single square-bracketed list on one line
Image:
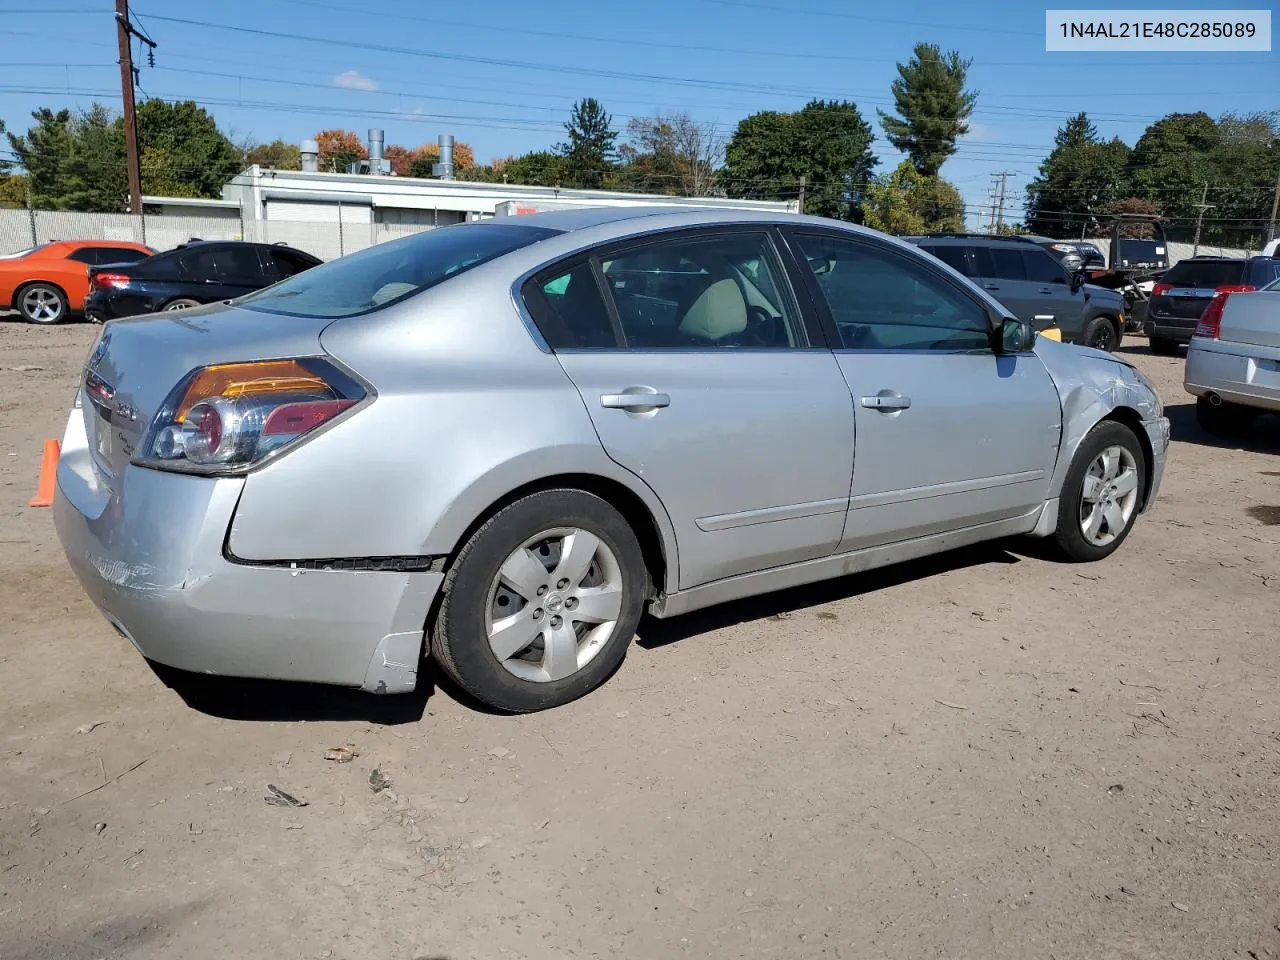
[(1202, 207), (1275, 208), (997, 199), (802, 183), (125, 32)]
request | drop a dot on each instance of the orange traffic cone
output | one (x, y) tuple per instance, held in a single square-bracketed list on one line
[(48, 475)]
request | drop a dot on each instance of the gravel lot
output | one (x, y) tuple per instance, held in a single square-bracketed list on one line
[(984, 755)]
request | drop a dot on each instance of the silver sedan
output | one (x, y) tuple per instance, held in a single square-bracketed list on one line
[(500, 443), (1233, 359)]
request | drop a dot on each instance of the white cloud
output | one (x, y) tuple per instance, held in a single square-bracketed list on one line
[(980, 133), (354, 80)]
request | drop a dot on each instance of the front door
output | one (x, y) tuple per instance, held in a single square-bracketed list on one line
[(950, 434), (702, 379)]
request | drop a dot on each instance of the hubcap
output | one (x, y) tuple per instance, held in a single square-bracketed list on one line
[(554, 604), (180, 305), (1109, 495), (41, 304)]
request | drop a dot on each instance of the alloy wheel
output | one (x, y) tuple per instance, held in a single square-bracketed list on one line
[(1109, 495), (41, 305)]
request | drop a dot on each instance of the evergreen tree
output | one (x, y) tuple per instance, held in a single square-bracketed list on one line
[(589, 153), (934, 107)]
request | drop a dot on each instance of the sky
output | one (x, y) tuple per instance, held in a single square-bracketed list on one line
[(503, 75)]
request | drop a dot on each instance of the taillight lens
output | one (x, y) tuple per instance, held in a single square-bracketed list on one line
[(1160, 288), (228, 417), (1210, 324), (115, 281)]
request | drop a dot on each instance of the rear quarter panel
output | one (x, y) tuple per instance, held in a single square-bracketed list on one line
[(468, 409)]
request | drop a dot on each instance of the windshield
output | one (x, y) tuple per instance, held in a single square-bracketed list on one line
[(390, 272)]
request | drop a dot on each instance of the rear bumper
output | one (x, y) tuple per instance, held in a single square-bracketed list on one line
[(1169, 328), (1251, 381), (149, 553)]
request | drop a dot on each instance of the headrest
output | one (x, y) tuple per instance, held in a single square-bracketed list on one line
[(719, 312)]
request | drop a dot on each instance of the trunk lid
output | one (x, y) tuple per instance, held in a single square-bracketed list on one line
[(1252, 318), (1191, 285), (138, 361)]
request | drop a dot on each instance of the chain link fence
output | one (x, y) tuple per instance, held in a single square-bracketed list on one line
[(346, 233)]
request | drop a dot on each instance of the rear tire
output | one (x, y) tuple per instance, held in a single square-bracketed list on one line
[(542, 602), (182, 303), (1224, 419), (1163, 346), (1102, 493), (41, 303), (1102, 333)]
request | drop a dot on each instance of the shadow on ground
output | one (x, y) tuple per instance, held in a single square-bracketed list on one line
[(1261, 436)]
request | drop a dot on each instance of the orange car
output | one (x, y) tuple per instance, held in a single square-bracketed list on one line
[(47, 283)]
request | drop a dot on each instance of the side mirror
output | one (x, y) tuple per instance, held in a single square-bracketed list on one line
[(1016, 336), (1077, 280)]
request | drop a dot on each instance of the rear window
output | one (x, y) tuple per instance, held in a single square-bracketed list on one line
[(1204, 274), (22, 253), (390, 272)]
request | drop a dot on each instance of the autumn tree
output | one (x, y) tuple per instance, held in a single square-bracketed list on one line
[(339, 149), (670, 154), (400, 158), (933, 106), (278, 155), (426, 156)]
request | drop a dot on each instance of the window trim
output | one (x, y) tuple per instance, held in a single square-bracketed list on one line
[(792, 235), (530, 287)]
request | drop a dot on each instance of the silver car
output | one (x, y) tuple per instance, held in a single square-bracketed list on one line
[(502, 442), (1233, 360)]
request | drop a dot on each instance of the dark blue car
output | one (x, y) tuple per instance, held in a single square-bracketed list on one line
[(195, 273)]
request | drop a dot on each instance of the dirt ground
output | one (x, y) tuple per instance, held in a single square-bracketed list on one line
[(986, 755)]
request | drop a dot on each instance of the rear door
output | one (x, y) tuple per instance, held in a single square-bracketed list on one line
[(949, 434), (215, 272), (1003, 273), (1056, 304), (703, 379)]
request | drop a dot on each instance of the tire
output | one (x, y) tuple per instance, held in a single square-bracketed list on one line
[(1101, 334), (41, 303), (182, 303), (491, 662), (1224, 419), (1163, 346), (1086, 494)]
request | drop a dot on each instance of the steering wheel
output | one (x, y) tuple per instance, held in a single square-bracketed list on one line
[(762, 326)]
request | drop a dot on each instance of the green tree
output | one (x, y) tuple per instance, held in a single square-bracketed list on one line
[(13, 191), (933, 106), (1076, 182), (278, 155), (539, 168), (905, 202), (42, 152), (828, 143), (202, 158), (590, 151)]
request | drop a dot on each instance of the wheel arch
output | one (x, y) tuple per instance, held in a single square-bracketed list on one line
[(21, 288), (1131, 418), (644, 514)]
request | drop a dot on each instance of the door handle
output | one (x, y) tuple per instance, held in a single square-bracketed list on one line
[(990, 286), (1046, 290), (885, 403), (634, 401)]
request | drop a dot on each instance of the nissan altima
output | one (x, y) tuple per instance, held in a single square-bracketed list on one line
[(498, 444)]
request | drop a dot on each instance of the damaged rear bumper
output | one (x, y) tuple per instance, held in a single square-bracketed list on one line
[(148, 549)]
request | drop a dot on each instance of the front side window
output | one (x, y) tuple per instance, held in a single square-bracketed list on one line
[(390, 272), (883, 300), (717, 292), (952, 256)]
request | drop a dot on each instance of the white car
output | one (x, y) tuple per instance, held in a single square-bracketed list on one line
[(1233, 360)]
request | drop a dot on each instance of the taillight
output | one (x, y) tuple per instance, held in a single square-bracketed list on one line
[(1210, 323), (1160, 288), (227, 417), (116, 281)]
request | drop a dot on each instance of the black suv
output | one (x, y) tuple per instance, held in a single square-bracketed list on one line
[(1187, 288), (195, 273), (1033, 285)]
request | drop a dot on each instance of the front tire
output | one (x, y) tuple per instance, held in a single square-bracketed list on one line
[(1102, 493), (182, 303), (1163, 346), (1101, 334), (542, 602), (42, 303), (1223, 419)]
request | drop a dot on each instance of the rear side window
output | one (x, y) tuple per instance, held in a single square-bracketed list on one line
[(1042, 268), (1264, 271), (120, 255), (952, 256), (387, 273), (1008, 263), (85, 255), (567, 307), (1204, 274)]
